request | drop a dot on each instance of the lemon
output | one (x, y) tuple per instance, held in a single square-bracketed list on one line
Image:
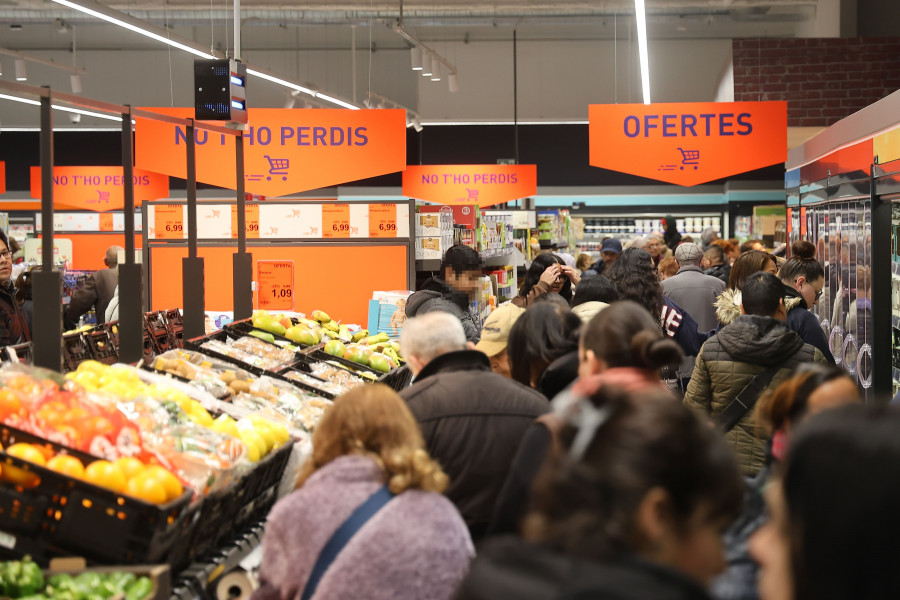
[(91, 366), (225, 424), (255, 446), (280, 432)]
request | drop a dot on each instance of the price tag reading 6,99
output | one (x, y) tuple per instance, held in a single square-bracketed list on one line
[(382, 220), (276, 284), (169, 221), (335, 220)]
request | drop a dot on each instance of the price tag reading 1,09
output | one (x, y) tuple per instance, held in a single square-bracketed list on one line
[(276, 284), (335, 220), (382, 220), (169, 221)]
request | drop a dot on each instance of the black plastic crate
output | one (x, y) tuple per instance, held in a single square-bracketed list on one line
[(22, 353), (76, 350), (322, 356), (222, 336), (102, 347), (62, 515), (398, 379), (113, 328), (300, 385)]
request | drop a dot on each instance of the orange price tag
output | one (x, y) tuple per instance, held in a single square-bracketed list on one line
[(382, 220), (169, 221), (106, 222), (335, 220), (251, 220), (276, 284)]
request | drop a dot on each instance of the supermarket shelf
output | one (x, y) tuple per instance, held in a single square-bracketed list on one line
[(509, 256), (895, 321)]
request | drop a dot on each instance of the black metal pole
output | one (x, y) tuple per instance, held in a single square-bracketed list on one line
[(882, 383), (131, 320), (192, 267), (242, 265), (47, 283), (515, 96)]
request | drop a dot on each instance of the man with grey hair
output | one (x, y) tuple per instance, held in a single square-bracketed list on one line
[(97, 291), (472, 419)]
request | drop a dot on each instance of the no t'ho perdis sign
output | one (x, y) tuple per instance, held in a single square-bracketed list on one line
[(470, 185), (688, 143), (98, 188), (285, 150)]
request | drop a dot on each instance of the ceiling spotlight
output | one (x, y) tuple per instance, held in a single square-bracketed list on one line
[(426, 65), (382, 104), (415, 54), (435, 69), (289, 102), (21, 72), (76, 83), (62, 26), (453, 82), (75, 118), (416, 125)]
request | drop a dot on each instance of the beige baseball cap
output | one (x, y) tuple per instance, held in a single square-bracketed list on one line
[(495, 332)]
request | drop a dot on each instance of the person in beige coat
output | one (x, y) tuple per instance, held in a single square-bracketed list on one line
[(592, 295)]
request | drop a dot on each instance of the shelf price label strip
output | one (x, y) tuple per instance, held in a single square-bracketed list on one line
[(275, 289), (336, 220), (382, 220), (251, 219), (169, 221)]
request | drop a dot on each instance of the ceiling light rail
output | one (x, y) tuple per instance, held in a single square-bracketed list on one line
[(42, 61), (413, 119), (426, 60)]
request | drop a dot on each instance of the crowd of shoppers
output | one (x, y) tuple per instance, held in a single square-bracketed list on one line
[(556, 459)]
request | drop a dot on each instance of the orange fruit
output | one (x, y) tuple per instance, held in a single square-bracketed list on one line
[(147, 488), (106, 475), (130, 466), (20, 476), (67, 465), (167, 480), (9, 404)]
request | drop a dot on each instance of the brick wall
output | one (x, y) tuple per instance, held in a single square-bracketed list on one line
[(823, 79)]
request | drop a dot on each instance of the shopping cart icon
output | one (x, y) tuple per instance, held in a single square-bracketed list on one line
[(472, 196), (277, 166), (104, 196), (690, 157)]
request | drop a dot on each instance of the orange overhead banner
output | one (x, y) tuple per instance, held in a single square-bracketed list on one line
[(469, 185), (285, 150), (98, 188), (688, 143)]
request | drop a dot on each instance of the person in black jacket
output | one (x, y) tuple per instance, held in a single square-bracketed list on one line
[(453, 291), (543, 348), (804, 279), (13, 329), (472, 420), (631, 506)]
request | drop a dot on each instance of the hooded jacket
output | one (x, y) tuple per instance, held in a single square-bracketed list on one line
[(722, 271), (588, 310), (415, 546), (677, 324), (472, 421), (512, 568), (730, 360), (799, 319), (436, 295), (13, 328)]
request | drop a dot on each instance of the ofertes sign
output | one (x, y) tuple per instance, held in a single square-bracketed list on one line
[(481, 185), (275, 290), (688, 143), (285, 150), (98, 188)]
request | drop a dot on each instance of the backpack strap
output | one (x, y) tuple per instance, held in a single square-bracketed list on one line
[(745, 400)]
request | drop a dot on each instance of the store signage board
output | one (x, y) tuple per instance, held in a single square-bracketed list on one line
[(286, 151), (88, 222), (470, 185), (275, 289), (98, 188), (688, 143)]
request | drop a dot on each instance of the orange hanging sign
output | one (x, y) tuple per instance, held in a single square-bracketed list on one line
[(275, 290), (98, 188), (335, 220), (688, 143), (251, 220), (382, 220), (285, 150), (470, 185), (106, 222), (169, 221), (2, 177)]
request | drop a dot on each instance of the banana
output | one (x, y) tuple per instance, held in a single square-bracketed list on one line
[(362, 333), (331, 325), (331, 334), (320, 316)]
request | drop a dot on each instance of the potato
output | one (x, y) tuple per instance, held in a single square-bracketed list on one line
[(239, 386)]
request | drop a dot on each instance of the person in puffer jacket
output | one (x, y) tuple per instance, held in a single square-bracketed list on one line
[(755, 342), (452, 291)]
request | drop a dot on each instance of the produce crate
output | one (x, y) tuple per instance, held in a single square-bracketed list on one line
[(398, 379), (22, 353), (113, 328), (76, 350), (224, 335), (245, 326), (322, 356), (102, 347), (160, 575), (175, 326), (282, 375), (65, 516)]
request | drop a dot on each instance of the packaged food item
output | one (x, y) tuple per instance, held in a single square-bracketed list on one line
[(274, 361), (336, 374), (333, 388)]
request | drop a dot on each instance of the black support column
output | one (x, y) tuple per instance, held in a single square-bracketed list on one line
[(242, 261), (192, 267), (131, 293)]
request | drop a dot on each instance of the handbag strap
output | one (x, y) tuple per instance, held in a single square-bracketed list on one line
[(745, 400), (344, 533)]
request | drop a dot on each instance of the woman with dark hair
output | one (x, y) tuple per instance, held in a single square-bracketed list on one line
[(543, 348), (728, 303), (632, 505), (814, 388), (621, 346), (592, 295), (13, 328), (547, 273), (804, 278), (671, 236), (833, 530), (636, 279)]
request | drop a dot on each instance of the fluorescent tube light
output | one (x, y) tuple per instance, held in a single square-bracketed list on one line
[(640, 14), (100, 11), (62, 108), (336, 101), (279, 81)]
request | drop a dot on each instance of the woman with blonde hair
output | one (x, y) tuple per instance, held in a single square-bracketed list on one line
[(367, 517)]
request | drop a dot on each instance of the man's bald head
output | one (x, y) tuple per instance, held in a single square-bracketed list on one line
[(112, 256)]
